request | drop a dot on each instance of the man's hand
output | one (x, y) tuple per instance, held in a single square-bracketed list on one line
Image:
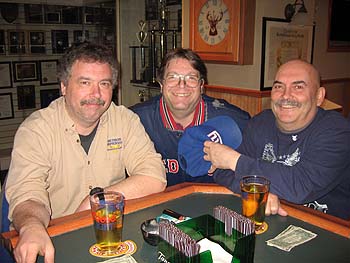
[(273, 206), (34, 240), (221, 156)]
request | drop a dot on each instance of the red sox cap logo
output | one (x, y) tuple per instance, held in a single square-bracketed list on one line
[(214, 136)]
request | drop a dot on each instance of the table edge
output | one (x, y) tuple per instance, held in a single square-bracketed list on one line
[(79, 220)]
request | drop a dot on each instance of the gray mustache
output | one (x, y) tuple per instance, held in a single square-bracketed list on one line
[(287, 102), (93, 101)]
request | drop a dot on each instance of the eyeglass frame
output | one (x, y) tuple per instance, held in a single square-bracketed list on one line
[(183, 78)]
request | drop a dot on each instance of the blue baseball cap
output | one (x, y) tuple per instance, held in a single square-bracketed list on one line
[(221, 129)]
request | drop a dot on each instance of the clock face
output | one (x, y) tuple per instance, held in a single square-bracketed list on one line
[(213, 21)]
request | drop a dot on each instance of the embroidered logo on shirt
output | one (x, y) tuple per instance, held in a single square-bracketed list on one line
[(114, 144), (286, 159)]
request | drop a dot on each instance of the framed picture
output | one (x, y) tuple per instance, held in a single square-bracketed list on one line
[(71, 15), (25, 71), (89, 15), (6, 106), (33, 13), (48, 69), (17, 42), (338, 26), (53, 14), (80, 36), (37, 42), (282, 42), (47, 96), (2, 42), (151, 9), (26, 97), (59, 41), (5, 75)]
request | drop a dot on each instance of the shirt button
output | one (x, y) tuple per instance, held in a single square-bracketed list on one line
[(88, 162), (78, 141)]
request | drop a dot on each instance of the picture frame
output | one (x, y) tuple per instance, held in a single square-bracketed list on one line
[(33, 13), (338, 26), (80, 36), (48, 70), (5, 75), (2, 42), (16, 42), (26, 97), (282, 42), (151, 9), (59, 41), (6, 106), (47, 96), (71, 15), (37, 42), (89, 15), (25, 71), (53, 14)]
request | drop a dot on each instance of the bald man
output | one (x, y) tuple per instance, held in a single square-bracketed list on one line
[(301, 148)]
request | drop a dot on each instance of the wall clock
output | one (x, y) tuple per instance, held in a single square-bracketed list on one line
[(219, 30)]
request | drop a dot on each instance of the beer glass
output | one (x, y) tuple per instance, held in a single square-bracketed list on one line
[(107, 209), (255, 190)]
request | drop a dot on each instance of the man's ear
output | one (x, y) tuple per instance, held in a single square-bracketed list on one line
[(321, 93), (63, 89)]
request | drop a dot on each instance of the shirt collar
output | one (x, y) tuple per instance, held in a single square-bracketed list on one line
[(170, 123)]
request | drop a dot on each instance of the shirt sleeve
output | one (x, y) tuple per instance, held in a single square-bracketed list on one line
[(28, 170)]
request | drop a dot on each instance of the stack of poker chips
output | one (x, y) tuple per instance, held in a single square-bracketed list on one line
[(233, 220), (178, 239)]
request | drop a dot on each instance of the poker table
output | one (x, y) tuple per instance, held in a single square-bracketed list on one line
[(73, 235)]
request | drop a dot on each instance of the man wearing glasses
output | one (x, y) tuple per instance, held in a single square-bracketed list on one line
[(182, 104)]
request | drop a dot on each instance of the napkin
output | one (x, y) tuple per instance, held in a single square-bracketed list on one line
[(218, 254)]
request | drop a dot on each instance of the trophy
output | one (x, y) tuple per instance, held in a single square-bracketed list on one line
[(141, 37)]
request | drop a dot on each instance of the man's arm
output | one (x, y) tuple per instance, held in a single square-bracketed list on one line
[(30, 219)]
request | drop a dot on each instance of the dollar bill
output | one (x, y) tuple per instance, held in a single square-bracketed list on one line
[(291, 237), (123, 259)]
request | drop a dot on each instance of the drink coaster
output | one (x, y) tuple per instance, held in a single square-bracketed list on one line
[(262, 229), (125, 247)]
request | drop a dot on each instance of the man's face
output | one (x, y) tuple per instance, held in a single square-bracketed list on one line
[(180, 98), (88, 92), (295, 95)]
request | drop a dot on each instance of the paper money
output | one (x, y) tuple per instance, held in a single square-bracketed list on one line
[(291, 237), (123, 259)]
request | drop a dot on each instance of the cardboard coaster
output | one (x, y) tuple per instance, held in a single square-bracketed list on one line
[(263, 228), (125, 247)]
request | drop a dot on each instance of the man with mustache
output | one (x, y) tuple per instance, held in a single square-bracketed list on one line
[(182, 76), (301, 148), (80, 141)]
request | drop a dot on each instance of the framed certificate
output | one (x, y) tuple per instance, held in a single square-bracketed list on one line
[(25, 71), (5, 75), (48, 69), (282, 42), (6, 106)]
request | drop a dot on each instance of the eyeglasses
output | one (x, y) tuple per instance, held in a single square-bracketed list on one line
[(191, 81)]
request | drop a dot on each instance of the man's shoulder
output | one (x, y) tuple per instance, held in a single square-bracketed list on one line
[(46, 115), (330, 119), (147, 106), (221, 106)]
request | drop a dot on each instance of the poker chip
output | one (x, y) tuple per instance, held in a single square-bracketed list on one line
[(126, 247)]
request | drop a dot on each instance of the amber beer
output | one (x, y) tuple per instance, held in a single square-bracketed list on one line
[(255, 190), (107, 213)]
